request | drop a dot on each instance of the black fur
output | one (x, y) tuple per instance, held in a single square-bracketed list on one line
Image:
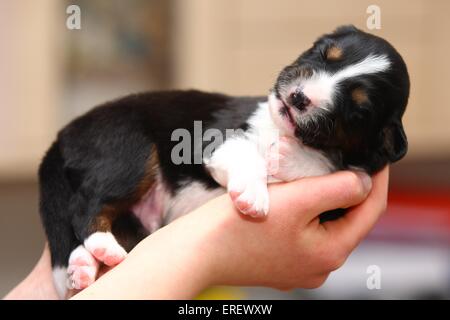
[(55, 198), (100, 158)]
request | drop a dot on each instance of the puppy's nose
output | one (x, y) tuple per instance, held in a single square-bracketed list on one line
[(299, 100)]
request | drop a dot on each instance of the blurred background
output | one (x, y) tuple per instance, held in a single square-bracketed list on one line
[(50, 74)]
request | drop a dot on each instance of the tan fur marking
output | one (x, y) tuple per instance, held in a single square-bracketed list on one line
[(149, 178), (334, 53), (359, 96), (103, 222)]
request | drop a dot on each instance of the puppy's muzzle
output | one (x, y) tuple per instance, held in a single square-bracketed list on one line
[(299, 100)]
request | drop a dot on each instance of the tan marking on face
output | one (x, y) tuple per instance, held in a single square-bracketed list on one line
[(334, 53), (359, 96)]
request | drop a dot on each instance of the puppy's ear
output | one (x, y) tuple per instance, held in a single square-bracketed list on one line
[(394, 141)]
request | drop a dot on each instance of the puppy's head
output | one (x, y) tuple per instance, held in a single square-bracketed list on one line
[(346, 96)]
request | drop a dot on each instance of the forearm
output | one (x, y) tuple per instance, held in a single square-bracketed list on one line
[(176, 262)]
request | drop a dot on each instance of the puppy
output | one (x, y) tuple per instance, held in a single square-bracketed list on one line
[(128, 167)]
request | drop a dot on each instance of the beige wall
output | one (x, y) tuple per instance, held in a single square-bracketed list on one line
[(239, 46), (29, 86), (233, 46)]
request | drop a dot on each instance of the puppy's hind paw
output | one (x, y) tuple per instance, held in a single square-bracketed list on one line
[(82, 269), (105, 248)]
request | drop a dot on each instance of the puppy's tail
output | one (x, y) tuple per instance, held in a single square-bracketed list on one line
[(55, 195)]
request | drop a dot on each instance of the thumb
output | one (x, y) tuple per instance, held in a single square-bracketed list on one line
[(312, 196)]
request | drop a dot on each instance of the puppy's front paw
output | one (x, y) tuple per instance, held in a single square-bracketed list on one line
[(281, 162), (251, 197), (82, 269), (105, 248)]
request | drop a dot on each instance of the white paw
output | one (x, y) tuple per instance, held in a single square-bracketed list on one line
[(251, 197), (281, 159), (82, 269), (105, 248)]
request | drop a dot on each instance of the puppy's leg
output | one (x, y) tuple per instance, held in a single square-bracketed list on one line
[(55, 198), (95, 231), (100, 227), (105, 197), (239, 166), (83, 268), (284, 162), (105, 248)]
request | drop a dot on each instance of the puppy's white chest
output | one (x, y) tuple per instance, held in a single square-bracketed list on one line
[(265, 151), (289, 160), (244, 164)]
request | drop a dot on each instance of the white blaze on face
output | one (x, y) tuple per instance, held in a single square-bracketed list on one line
[(321, 87)]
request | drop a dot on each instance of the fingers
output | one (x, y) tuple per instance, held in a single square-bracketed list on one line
[(357, 222), (314, 195)]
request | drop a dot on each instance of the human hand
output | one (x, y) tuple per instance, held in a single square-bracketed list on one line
[(290, 248)]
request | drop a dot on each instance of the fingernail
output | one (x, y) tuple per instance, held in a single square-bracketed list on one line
[(366, 180)]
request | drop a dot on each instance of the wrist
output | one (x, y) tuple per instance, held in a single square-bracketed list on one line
[(209, 242), (190, 250), (218, 227)]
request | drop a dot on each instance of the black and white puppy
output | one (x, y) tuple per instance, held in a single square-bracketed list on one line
[(117, 173)]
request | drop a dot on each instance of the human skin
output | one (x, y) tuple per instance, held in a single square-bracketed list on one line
[(216, 245)]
